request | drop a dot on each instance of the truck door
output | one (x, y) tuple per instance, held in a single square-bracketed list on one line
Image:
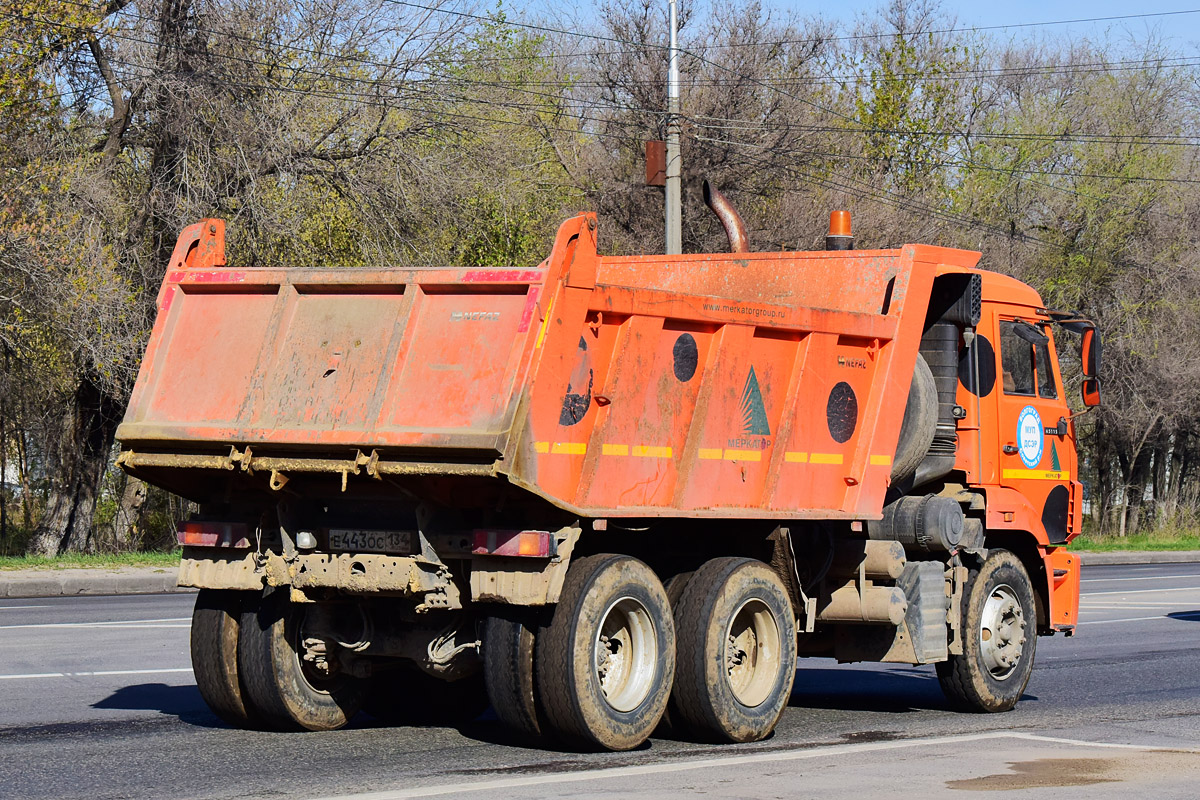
[(1036, 457)]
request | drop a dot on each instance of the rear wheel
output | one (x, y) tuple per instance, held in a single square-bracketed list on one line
[(736, 651), (290, 677), (214, 646), (508, 669), (999, 638), (606, 661)]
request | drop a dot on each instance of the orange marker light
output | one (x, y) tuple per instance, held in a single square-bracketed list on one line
[(839, 223), (839, 236)]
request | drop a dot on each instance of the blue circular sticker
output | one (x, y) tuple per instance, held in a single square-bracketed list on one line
[(1030, 436)]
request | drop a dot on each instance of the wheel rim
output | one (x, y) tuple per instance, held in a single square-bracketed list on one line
[(1002, 632), (312, 655), (625, 654), (752, 653)]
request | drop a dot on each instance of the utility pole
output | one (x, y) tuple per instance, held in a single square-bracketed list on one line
[(674, 194)]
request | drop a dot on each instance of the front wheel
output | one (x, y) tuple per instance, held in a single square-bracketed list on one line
[(999, 636)]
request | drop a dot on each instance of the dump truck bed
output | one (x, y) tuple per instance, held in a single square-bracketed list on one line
[(747, 385)]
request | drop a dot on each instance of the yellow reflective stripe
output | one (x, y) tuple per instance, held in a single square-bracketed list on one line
[(650, 451), (794, 457), (743, 455), (1037, 475), (881, 461), (825, 458), (545, 323), (615, 449), (561, 448), (710, 453)]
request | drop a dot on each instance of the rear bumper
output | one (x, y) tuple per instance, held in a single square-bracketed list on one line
[(349, 573)]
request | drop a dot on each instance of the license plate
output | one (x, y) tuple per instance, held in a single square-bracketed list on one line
[(359, 541)]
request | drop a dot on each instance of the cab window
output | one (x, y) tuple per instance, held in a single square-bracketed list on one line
[(1041, 359), (1025, 358)]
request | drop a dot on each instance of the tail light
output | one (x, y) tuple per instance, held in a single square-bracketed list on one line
[(213, 534), (533, 544)]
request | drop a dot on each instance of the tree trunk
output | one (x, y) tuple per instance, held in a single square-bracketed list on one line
[(23, 479), (1135, 491), (83, 451), (125, 535)]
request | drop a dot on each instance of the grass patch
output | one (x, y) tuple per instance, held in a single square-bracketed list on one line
[(99, 561), (1156, 540)]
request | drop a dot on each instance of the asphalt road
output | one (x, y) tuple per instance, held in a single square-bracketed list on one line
[(97, 700)]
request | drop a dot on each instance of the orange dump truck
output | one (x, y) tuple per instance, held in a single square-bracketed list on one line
[(595, 489)]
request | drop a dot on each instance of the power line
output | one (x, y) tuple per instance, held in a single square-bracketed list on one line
[(967, 165), (849, 37), (1164, 138), (432, 83), (424, 87)]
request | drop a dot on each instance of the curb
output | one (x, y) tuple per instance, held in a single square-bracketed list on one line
[(1141, 557), (84, 581)]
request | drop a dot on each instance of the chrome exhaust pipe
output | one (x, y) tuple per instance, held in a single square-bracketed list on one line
[(731, 221)]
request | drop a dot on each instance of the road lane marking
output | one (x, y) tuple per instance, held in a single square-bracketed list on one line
[(1145, 591), (10, 608), (110, 624), (97, 674), (1143, 578), (1189, 616), (609, 773), (1135, 604)]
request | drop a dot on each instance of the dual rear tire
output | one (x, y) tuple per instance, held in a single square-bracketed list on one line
[(718, 645), (606, 662), (247, 658), (736, 652)]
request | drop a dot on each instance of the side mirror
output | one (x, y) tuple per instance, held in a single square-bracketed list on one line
[(1090, 355), (1091, 392)]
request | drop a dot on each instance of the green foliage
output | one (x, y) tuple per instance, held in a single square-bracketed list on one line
[(1154, 540), (164, 560), (906, 106)]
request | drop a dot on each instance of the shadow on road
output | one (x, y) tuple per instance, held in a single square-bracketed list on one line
[(184, 702), (1188, 616), (844, 689)]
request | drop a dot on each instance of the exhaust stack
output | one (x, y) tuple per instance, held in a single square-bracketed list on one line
[(839, 237), (731, 221)]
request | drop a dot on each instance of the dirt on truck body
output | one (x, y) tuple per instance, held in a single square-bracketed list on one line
[(591, 490)]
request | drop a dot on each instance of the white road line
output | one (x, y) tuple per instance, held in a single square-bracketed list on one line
[(10, 608), (1143, 578), (1146, 591), (98, 674), (1137, 604), (1192, 615), (609, 773), (110, 624)]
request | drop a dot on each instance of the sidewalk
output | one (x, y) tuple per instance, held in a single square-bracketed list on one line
[(155, 580), (90, 580)]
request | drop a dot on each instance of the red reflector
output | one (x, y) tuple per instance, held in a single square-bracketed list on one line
[(535, 544), (213, 534)]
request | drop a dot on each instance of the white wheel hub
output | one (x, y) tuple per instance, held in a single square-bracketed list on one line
[(1002, 632), (625, 654), (753, 648)]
